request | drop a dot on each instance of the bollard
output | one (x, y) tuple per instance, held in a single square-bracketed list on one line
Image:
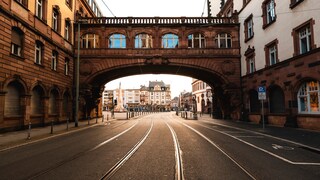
[(96, 119), (107, 117), (88, 121), (29, 131), (51, 127), (127, 115), (102, 118)]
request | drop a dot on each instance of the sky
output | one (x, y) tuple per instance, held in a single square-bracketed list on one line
[(151, 8)]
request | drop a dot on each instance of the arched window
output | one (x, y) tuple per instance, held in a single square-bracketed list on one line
[(143, 41), (196, 40), (117, 41), (65, 104), (170, 41), (90, 41), (223, 40), (12, 105), (308, 98), (254, 101), (16, 41), (36, 100), (277, 100), (53, 102)]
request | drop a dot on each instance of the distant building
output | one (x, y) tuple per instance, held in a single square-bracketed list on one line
[(202, 93), (155, 97)]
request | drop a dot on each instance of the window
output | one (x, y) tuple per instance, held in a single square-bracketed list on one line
[(308, 98), (196, 40), (38, 53), (36, 100), (90, 41), (12, 104), (67, 30), (251, 65), (143, 41), (66, 67), (277, 101), (117, 41), (23, 2), (16, 41), (170, 41), (223, 40), (54, 60), (250, 59), (294, 3), (248, 26), (269, 15), (271, 50), (53, 105), (254, 101), (303, 38), (69, 3), (56, 19), (39, 9)]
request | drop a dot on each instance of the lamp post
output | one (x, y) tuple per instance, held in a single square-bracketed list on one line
[(77, 80)]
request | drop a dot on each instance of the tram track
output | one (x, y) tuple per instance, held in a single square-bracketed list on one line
[(80, 154), (233, 160), (130, 153)]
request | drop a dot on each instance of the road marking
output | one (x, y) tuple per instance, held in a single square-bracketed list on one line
[(266, 135), (223, 152), (263, 150), (276, 146), (249, 136)]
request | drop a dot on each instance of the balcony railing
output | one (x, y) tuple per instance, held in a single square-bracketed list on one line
[(159, 20), (176, 52)]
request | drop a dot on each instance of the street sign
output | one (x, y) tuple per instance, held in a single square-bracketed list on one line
[(262, 93)]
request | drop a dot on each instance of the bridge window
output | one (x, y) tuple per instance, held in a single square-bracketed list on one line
[(170, 41), (143, 41), (117, 41), (223, 40), (90, 41), (308, 97), (196, 41)]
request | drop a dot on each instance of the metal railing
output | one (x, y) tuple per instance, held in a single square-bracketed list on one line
[(159, 20)]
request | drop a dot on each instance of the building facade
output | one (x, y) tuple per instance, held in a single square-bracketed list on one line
[(36, 60), (156, 97), (202, 93), (279, 50)]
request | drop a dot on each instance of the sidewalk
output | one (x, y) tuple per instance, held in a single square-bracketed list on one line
[(19, 138), (311, 139)]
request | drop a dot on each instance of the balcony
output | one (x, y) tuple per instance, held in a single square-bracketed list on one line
[(161, 52)]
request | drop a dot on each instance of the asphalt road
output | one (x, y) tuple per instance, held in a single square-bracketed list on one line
[(161, 146)]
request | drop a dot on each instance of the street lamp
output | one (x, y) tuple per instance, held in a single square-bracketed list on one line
[(77, 75)]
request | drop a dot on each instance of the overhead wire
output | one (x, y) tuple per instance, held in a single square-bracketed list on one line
[(204, 6), (108, 8)]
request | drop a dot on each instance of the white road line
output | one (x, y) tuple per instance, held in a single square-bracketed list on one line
[(263, 150), (216, 146), (266, 135)]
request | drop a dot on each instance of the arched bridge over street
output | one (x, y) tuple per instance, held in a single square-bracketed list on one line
[(202, 48)]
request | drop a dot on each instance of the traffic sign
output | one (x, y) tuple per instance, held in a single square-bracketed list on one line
[(262, 93)]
